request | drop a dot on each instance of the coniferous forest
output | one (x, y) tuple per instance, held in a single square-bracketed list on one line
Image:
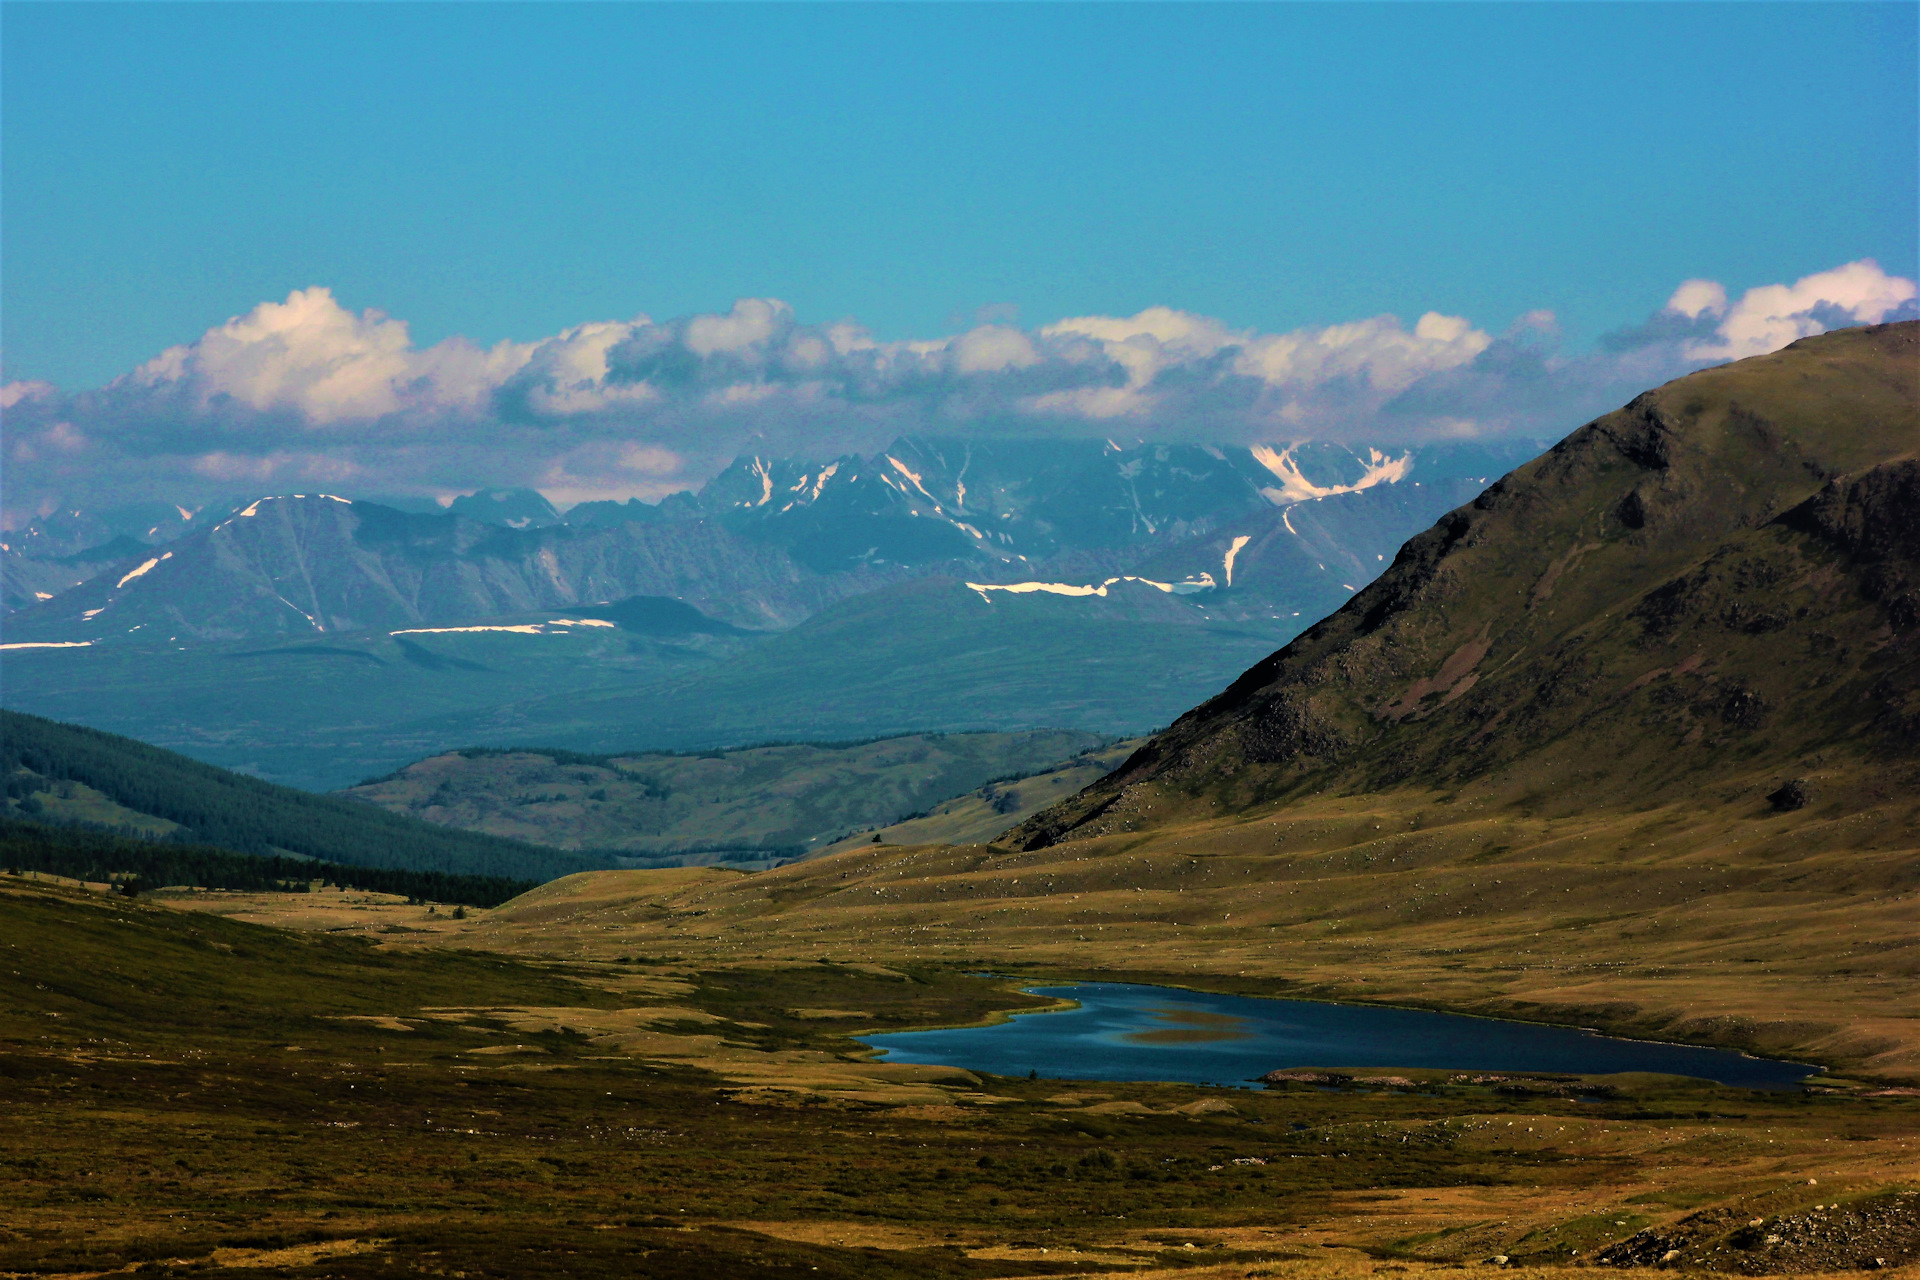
[(133, 865), (214, 807)]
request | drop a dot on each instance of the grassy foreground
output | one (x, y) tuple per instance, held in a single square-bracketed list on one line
[(188, 1092)]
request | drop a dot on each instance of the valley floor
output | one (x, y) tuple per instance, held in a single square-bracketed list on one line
[(1792, 935), (596, 1081)]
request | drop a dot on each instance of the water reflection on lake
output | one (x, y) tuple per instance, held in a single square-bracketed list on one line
[(1123, 1031)]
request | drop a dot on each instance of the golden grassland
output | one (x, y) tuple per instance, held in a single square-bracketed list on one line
[(1794, 934), (1433, 800), (189, 1092)]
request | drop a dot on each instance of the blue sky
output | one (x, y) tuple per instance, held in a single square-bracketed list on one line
[(502, 173)]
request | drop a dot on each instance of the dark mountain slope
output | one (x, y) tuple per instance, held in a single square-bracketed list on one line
[(132, 865), (143, 788), (1715, 585), (65, 548)]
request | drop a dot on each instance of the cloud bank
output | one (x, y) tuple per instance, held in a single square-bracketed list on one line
[(306, 392)]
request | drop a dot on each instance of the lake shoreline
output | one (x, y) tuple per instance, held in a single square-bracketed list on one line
[(1117, 1037)]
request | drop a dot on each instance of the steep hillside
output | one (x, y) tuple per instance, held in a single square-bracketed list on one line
[(1715, 587), (775, 801), (58, 773)]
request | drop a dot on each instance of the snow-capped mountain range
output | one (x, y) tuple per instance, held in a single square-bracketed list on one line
[(1240, 531), (934, 586)]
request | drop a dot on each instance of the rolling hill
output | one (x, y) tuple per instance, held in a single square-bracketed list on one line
[(769, 802), (532, 815)]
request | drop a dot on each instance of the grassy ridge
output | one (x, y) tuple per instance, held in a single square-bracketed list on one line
[(231, 811)]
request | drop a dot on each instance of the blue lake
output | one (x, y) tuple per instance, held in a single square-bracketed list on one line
[(1122, 1031)]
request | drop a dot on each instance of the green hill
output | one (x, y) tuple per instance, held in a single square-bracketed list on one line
[(767, 802), (66, 775)]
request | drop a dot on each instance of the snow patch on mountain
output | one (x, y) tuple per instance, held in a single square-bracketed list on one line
[(914, 476), (315, 622), (1295, 487), (142, 570), (1186, 587), (1233, 553), (136, 573), (514, 628), (522, 628)]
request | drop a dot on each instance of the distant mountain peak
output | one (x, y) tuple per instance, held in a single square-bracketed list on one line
[(513, 508)]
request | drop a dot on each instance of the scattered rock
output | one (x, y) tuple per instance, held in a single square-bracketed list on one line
[(1865, 1235), (1305, 1077), (1793, 794)]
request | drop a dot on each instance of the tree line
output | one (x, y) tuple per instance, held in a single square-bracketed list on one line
[(133, 865)]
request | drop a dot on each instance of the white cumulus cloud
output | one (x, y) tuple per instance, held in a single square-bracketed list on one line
[(1769, 317), (307, 390), (314, 358), (1695, 298)]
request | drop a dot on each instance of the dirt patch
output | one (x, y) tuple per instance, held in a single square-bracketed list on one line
[(1454, 678)]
